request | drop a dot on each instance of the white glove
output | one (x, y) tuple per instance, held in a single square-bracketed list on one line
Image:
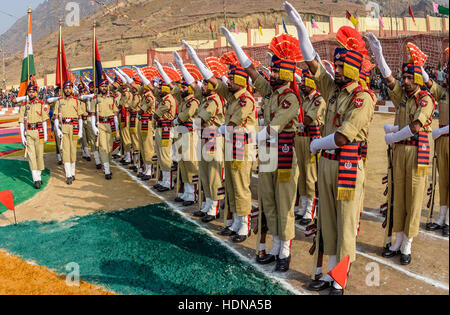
[(300, 126), (266, 71), (162, 72), (109, 79), (141, 76), (261, 122), (224, 79), (116, 122), (326, 143), (222, 129), (20, 99), (262, 135), (94, 127), (403, 134), (44, 125), (22, 134), (80, 128), (305, 44), (126, 78), (439, 132), (87, 97), (377, 50), (388, 128), (269, 58), (425, 75), (52, 100), (120, 76), (329, 69), (175, 122), (172, 66), (186, 75), (204, 70), (297, 77), (58, 131), (242, 57)]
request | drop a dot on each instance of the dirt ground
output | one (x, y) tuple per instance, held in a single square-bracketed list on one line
[(427, 274)]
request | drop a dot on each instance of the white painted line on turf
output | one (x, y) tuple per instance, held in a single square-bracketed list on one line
[(430, 281), (271, 275), (425, 233)]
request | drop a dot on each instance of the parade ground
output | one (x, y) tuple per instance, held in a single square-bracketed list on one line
[(123, 237)]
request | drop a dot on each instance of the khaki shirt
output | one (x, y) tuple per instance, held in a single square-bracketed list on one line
[(106, 105), (349, 110), (125, 97), (212, 110), (148, 103), (281, 108), (417, 106), (188, 109), (241, 106), (167, 109), (440, 94), (35, 111), (69, 107), (314, 107)]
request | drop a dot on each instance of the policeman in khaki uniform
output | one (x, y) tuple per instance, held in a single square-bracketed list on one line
[(341, 172), (69, 128), (164, 115), (240, 123), (313, 106), (124, 103), (33, 116), (440, 136), (85, 154), (89, 136), (411, 151), (277, 184), (105, 124)]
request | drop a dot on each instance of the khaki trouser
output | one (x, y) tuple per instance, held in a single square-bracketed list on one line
[(307, 168), (35, 151), (338, 219), (188, 163), (211, 171), (69, 146), (84, 140), (164, 153), (408, 190), (125, 135), (89, 135), (105, 142), (147, 144), (237, 185), (135, 136), (442, 165), (278, 201)]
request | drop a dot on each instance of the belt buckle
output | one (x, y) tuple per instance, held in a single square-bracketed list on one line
[(67, 120), (331, 151)]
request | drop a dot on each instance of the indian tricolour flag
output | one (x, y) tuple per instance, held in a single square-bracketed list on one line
[(28, 68)]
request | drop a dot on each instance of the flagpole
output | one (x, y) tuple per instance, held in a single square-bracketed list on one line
[(28, 46), (60, 59), (93, 60)]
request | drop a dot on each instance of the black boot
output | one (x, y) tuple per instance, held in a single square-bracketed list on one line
[(69, 180), (266, 259), (37, 184), (108, 176), (433, 226), (283, 264), (445, 230), (387, 253), (405, 259), (319, 285)]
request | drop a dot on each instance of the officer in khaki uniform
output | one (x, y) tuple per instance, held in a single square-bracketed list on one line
[(146, 132), (212, 115), (188, 163), (411, 154), (440, 136), (33, 116), (105, 124), (69, 128), (278, 175), (134, 108), (341, 171), (239, 130), (313, 106), (90, 138), (124, 103), (85, 154)]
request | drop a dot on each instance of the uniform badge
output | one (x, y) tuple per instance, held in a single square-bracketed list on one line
[(332, 100), (359, 102), (45, 108), (286, 104), (285, 148), (423, 103), (206, 105), (239, 144), (424, 147), (348, 165), (28, 107), (242, 101), (188, 104), (166, 129), (317, 102)]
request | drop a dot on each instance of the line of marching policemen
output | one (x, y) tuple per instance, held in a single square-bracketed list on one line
[(203, 118)]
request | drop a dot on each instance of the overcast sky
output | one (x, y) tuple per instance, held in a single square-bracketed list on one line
[(11, 10)]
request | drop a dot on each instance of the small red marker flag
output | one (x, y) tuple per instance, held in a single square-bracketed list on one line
[(340, 272), (6, 198)]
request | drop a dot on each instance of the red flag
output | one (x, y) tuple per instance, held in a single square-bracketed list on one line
[(6, 198), (412, 14), (61, 64), (340, 272), (210, 27)]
